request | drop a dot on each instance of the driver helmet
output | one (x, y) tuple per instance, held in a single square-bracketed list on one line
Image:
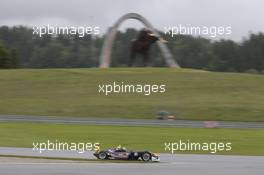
[(118, 147)]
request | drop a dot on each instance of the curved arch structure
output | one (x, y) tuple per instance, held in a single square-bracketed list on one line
[(105, 57)]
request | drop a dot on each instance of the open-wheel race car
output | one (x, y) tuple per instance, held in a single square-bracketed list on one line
[(124, 154)]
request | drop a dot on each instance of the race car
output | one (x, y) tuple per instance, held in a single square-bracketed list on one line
[(124, 154)]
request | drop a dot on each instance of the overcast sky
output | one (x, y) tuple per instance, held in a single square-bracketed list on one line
[(243, 16)]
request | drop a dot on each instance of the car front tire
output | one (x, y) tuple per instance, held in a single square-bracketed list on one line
[(146, 156), (102, 156)]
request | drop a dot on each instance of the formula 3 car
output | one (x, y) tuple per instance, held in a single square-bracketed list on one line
[(124, 154)]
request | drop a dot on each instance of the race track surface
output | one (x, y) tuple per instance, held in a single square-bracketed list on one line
[(128, 122), (169, 165)]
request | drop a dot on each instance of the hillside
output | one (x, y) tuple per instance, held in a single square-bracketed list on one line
[(190, 94)]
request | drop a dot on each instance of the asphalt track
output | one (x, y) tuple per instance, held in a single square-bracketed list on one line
[(128, 122), (169, 165)]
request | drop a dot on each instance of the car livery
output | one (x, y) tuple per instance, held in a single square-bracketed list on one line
[(124, 154)]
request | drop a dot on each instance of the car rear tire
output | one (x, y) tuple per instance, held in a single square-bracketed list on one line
[(102, 156), (146, 156)]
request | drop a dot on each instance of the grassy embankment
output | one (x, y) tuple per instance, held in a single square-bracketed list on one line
[(244, 141), (190, 94)]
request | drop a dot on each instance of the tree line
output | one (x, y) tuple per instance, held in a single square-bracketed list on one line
[(19, 48)]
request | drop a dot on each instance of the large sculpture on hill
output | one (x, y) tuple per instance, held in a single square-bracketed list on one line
[(142, 44), (105, 58)]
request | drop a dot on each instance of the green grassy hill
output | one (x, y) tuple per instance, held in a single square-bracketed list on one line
[(190, 94)]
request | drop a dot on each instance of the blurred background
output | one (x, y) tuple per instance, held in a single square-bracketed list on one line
[(241, 51)]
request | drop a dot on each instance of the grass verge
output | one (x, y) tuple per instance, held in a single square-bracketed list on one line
[(244, 141), (79, 160)]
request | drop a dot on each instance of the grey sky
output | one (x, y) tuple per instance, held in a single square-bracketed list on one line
[(243, 16)]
